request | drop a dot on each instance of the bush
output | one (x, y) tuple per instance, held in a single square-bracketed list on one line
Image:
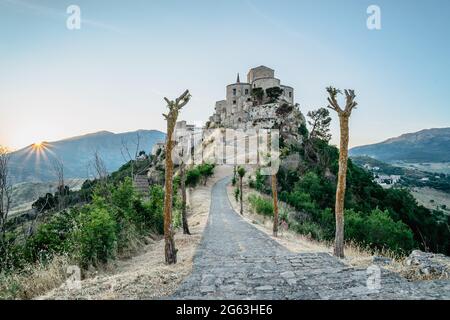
[(206, 170), (378, 230), (95, 238), (152, 213), (200, 172), (310, 229), (301, 201), (192, 177), (236, 194), (52, 237), (261, 205)]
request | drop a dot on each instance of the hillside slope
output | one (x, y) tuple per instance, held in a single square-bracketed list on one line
[(430, 145), (36, 164)]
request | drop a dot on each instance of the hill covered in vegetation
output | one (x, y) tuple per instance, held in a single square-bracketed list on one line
[(374, 217)]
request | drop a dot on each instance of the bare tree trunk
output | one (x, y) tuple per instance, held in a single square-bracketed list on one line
[(171, 118), (344, 116), (183, 198), (170, 250), (341, 186), (240, 194), (275, 205)]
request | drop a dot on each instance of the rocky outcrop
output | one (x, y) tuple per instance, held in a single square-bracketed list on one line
[(429, 264)]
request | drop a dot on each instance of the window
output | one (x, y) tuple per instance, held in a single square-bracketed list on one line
[(234, 92), (290, 94), (234, 101), (246, 91)]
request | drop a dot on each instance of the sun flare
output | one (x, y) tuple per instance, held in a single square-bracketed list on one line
[(38, 145)]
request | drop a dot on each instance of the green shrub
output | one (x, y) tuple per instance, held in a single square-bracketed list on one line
[(310, 229), (95, 238), (192, 177), (301, 201), (378, 230), (236, 194), (152, 213), (261, 205), (206, 170), (52, 237)]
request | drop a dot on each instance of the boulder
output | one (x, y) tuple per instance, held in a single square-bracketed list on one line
[(427, 263)]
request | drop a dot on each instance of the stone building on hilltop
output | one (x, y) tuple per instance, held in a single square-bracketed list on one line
[(255, 104)]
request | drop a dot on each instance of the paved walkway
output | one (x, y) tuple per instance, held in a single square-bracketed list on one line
[(237, 261)]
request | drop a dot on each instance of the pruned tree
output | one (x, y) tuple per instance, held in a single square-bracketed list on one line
[(344, 116), (5, 197), (320, 124), (241, 173), (171, 117)]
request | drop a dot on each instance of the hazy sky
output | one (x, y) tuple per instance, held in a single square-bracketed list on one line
[(113, 73)]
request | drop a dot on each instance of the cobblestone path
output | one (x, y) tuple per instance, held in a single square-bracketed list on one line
[(237, 261)]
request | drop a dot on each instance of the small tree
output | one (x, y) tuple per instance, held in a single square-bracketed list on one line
[(344, 115), (258, 95), (171, 118), (274, 93), (320, 124), (241, 173)]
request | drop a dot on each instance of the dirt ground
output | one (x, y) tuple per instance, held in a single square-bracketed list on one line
[(146, 276)]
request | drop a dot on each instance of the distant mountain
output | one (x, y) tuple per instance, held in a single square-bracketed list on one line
[(35, 164), (430, 145)]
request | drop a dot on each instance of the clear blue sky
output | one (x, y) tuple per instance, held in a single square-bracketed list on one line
[(113, 73)]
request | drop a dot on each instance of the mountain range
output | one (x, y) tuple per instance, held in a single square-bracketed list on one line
[(427, 146), (35, 163)]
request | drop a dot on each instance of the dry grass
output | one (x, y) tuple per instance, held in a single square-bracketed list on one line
[(34, 280)]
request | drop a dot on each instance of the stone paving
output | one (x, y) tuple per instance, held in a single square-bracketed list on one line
[(237, 261)]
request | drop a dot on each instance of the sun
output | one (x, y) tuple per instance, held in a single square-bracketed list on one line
[(38, 145)]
